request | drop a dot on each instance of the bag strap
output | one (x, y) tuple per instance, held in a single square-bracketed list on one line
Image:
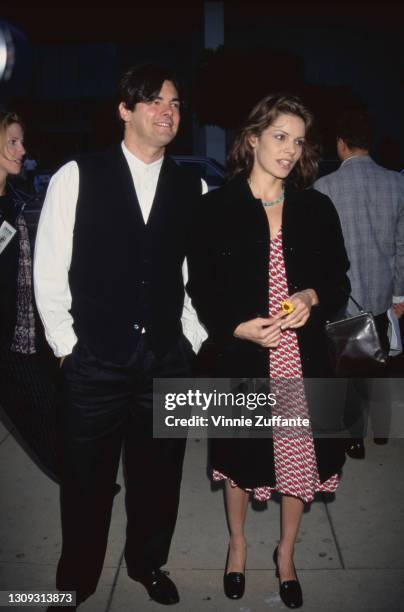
[(360, 308)]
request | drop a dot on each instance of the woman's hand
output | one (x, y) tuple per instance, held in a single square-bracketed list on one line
[(263, 331), (302, 301)]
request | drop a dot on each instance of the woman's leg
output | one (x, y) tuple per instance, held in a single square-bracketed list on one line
[(236, 507), (291, 514)]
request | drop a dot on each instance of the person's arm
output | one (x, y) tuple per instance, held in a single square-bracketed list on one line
[(333, 286), (221, 322), (191, 326), (398, 288), (53, 252), (202, 284)]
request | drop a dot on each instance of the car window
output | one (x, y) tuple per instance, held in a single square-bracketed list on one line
[(203, 170)]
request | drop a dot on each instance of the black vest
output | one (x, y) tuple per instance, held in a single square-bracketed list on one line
[(126, 275)]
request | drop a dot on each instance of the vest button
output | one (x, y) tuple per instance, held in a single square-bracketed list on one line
[(136, 326)]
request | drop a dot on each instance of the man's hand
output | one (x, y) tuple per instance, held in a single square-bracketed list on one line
[(263, 331), (302, 301), (398, 309)]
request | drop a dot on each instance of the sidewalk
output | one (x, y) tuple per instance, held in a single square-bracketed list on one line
[(349, 554)]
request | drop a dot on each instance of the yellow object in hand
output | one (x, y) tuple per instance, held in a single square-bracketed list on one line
[(287, 306)]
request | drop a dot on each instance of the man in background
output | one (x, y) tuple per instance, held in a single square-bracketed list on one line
[(370, 202)]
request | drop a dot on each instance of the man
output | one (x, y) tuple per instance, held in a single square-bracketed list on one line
[(109, 286), (370, 203)]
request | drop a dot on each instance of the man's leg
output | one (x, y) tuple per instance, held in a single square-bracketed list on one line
[(379, 389), (356, 417), (369, 395), (96, 403), (153, 468), (152, 506)]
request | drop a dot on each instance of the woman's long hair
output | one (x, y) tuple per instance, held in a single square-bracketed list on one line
[(241, 156)]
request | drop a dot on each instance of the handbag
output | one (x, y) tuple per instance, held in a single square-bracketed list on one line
[(354, 345)]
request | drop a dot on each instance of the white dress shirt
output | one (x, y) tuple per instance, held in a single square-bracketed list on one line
[(53, 252)]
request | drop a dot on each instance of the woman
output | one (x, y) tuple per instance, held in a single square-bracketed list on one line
[(27, 392), (259, 241)]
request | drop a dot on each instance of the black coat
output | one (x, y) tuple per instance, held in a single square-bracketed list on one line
[(229, 284)]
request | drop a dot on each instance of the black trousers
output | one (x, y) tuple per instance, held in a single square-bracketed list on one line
[(107, 408)]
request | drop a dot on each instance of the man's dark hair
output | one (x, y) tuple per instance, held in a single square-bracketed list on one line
[(355, 128), (143, 84)]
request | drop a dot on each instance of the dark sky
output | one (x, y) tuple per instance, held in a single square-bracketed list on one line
[(356, 45), (116, 22), (370, 16), (162, 21), (359, 45)]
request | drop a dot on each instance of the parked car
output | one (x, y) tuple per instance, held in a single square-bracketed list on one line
[(205, 167), (41, 182)]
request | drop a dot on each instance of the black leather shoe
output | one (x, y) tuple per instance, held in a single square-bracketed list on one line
[(233, 583), (355, 448), (159, 586), (290, 591)]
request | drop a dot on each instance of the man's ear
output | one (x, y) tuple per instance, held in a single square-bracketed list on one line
[(341, 145), (124, 113)]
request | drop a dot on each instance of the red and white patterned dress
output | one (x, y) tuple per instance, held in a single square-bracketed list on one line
[(296, 470)]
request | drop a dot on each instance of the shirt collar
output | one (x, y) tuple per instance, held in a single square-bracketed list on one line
[(352, 157), (137, 164)]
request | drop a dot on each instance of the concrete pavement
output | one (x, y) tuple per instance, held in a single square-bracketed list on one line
[(349, 554)]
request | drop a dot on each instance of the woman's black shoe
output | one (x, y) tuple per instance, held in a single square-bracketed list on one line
[(233, 583), (289, 590)]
